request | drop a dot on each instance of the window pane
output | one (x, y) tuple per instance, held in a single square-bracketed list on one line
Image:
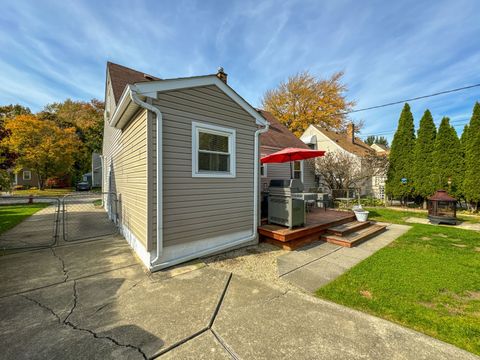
[(213, 142), (297, 174), (213, 162), (297, 166)]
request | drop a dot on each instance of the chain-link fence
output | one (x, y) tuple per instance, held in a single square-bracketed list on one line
[(36, 222), (39, 218), (89, 215)]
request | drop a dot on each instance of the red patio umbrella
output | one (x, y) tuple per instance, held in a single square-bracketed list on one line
[(291, 154)]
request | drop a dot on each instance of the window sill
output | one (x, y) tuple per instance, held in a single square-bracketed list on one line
[(213, 175)]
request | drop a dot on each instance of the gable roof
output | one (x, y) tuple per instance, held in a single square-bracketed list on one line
[(121, 76), (358, 147), (126, 81), (278, 134), (381, 146)]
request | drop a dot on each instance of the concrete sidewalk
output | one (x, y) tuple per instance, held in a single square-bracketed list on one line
[(314, 266), (35, 231), (93, 300)]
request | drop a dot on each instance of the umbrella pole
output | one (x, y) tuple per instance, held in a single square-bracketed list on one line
[(291, 169)]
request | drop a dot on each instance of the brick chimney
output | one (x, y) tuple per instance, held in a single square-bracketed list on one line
[(351, 132), (222, 75)]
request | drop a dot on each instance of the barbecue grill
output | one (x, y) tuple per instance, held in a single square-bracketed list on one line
[(286, 205)]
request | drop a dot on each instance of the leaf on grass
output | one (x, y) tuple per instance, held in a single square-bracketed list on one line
[(366, 294)]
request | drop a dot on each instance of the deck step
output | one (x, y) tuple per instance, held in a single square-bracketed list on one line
[(355, 237), (347, 228)]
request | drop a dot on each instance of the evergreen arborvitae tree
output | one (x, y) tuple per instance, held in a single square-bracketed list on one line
[(463, 143), (448, 162), (471, 185), (402, 156), (372, 139), (464, 138), (423, 179)]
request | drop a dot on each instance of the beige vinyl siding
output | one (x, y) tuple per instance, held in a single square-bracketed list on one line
[(125, 172), (309, 183), (282, 171), (198, 208), (274, 170)]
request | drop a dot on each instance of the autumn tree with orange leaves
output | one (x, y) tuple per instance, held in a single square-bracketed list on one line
[(304, 100), (41, 145)]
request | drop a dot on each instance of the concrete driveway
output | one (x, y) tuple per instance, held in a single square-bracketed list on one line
[(93, 299)]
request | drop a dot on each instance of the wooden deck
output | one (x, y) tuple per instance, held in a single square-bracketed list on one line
[(318, 221)]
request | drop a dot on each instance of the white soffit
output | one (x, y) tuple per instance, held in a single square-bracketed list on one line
[(152, 87)]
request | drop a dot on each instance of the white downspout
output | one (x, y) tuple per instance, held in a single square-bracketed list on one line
[(256, 184), (240, 241), (154, 265), (159, 173)]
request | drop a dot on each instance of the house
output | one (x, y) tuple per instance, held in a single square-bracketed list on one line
[(380, 149), (317, 137), (182, 156), (96, 170), (378, 181), (278, 137), (25, 178)]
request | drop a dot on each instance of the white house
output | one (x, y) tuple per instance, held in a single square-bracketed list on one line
[(317, 137)]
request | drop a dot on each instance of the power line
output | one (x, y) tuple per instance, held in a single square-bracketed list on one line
[(390, 132), (411, 99)]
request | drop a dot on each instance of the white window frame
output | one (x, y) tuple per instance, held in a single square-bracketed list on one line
[(301, 170), (29, 175), (264, 167), (198, 127)]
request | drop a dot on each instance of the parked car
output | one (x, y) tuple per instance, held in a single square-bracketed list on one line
[(83, 186)]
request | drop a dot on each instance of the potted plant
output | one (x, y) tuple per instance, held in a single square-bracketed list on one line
[(360, 213)]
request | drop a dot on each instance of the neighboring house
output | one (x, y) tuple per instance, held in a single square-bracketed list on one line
[(25, 177), (275, 139), (380, 149), (96, 170), (378, 181), (317, 137), (182, 155)]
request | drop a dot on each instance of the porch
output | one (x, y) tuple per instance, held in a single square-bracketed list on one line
[(318, 221)]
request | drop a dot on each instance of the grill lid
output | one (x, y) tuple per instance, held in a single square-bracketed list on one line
[(293, 185)]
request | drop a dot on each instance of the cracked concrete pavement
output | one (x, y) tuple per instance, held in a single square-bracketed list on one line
[(94, 300)]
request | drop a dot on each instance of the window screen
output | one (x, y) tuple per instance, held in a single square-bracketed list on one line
[(213, 152)]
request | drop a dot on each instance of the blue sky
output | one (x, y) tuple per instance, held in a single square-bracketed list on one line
[(53, 50)]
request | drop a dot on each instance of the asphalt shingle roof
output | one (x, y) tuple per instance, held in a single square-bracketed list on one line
[(121, 76), (358, 147), (278, 135)]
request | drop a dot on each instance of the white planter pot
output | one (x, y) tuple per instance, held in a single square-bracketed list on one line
[(361, 216)]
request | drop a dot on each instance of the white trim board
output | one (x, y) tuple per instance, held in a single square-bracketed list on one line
[(152, 87), (176, 254), (197, 127), (136, 245)]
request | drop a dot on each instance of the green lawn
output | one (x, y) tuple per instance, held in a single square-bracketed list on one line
[(428, 280), (97, 202), (45, 193), (399, 216), (11, 215), (393, 216)]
